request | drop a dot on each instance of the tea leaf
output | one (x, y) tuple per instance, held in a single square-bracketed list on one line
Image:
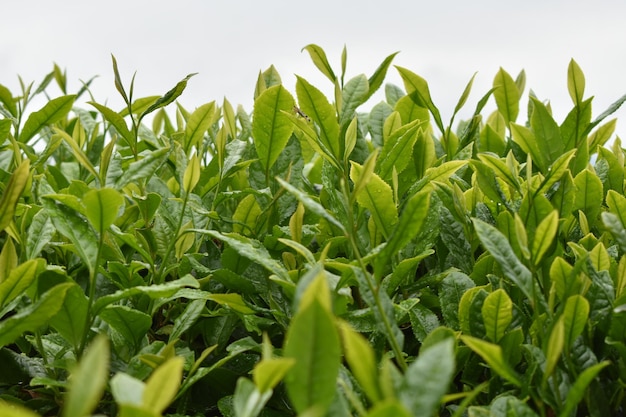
[(417, 88), (102, 207), (316, 106), (554, 349), (500, 248), (116, 120), (397, 151), (19, 279), (130, 323), (269, 372), (50, 113), (497, 314), (71, 224), (168, 97), (575, 317), (492, 354), (389, 408), (13, 192), (192, 174), (362, 361), (70, 319), (34, 316), (167, 289), (577, 391), (88, 380), (162, 386), (271, 129), (13, 410), (409, 224), (313, 342), (143, 169), (544, 236), (575, 82), (427, 379), (353, 95), (321, 62), (507, 96), (311, 204), (377, 78), (377, 197), (198, 124), (589, 194)]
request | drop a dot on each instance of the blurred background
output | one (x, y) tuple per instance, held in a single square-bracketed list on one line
[(229, 42)]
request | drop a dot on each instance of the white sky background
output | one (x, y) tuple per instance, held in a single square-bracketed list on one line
[(229, 42)]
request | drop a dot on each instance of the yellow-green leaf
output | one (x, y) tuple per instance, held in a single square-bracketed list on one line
[(13, 192)]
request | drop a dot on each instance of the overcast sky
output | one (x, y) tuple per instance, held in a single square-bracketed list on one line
[(228, 42)]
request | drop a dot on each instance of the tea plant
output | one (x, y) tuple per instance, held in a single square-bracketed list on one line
[(310, 258)]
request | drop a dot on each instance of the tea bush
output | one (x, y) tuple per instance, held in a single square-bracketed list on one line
[(309, 258)]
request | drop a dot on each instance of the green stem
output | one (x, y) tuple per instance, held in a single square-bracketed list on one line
[(91, 299)]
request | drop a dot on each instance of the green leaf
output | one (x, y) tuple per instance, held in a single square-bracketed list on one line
[(13, 192), (397, 151), (507, 96), (492, 354), (19, 279), (187, 318), (251, 249), (376, 196), (70, 319), (577, 391), (501, 170), (72, 225), (417, 88), (5, 128), (498, 245), (389, 408), (313, 342), (168, 97), (88, 380), (126, 389), (362, 361), (246, 215), (115, 120), (316, 106), (575, 82), (377, 78), (13, 410), (575, 316), (409, 224), (130, 323), (34, 316), (311, 204), (271, 129), (162, 386), (526, 139), (40, 233), (544, 236), (556, 341), (589, 195), (7, 99), (353, 95), (497, 312), (248, 400), (198, 124), (556, 171), (192, 174), (143, 169), (102, 207), (547, 132), (269, 372), (427, 379), (321, 62), (158, 291), (8, 259), (53, 111), (453, 287), (464, 95)]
